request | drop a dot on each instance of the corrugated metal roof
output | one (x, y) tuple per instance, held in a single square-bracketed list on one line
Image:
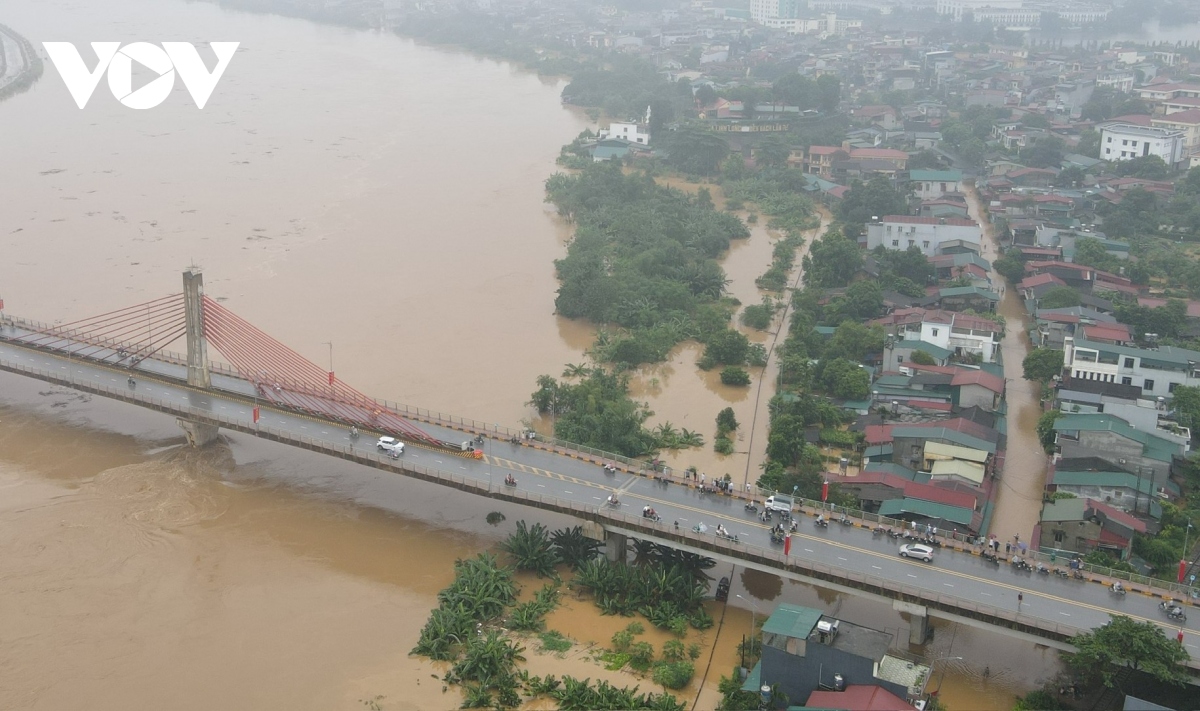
[(792, 621), (929, 509), (956, 467), (950, 451)]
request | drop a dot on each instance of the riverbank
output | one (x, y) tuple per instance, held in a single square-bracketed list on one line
[(20, 64)]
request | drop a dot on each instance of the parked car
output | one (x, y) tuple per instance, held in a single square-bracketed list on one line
[(917, 550), (390, 444)]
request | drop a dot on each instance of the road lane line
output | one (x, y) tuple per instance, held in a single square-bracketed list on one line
[(876, 567), (948, 585)]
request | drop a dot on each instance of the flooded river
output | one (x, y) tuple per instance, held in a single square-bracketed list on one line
[(340, 187)]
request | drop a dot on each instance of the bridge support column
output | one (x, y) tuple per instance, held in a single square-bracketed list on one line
[(198, 433), (918, 621), (197, 344), (615, 548)]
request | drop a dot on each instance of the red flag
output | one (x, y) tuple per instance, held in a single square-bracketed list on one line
[(256, 414), (331, 377), (825, 491), (787, 544), (1179, 638), (1182, 569)]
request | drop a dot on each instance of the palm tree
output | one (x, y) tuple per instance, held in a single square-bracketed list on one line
[(575, 370)]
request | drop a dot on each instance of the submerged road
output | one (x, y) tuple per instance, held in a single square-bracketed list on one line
[(962, 575)]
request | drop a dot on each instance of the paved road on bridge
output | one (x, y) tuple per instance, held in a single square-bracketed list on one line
[(1061, 601)]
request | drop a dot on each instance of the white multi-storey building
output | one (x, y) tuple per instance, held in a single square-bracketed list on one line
[(1126, 141), (1157, 372), (932, 235)]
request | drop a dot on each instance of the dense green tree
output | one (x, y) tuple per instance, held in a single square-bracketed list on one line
[(863, 300), (1091, 252), (832, 261), (1042, 364), (726, 420), (1140, 646), (853, 341), (1011, 267), (1046, 152), (1071, 177), (925, 160), (922, 358), (773, 153), (695, 151), (1106, 103), (733, 375), (911, 264), (727, 347), (829, 92), (1185, 402), (1045, 429), (1059, 297), (596, 412), (875, 198), (1149, 167), (1165, 321), (845, 379), (1089, 144), (796, 90), (705, 95)]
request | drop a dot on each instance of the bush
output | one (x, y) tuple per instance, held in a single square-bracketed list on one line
[(733, 375), (641, 656), (694, 651), (922, 358), (621, 641), (555, 642), (672, 651), (758, 316), (726, 420), (673, 675), (723, 445)]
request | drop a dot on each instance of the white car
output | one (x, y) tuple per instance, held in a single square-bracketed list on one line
[(917, 550), (390, 444)]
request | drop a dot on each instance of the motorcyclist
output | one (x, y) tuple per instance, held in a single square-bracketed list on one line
[(1117, 587), (510, 480), (612, 499), (721, 530)]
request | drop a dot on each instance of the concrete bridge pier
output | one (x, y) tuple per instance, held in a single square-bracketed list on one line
[(198, 433), (615, 547), (918, 621)]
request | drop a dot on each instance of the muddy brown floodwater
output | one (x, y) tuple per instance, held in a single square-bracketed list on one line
[(1019, 497)]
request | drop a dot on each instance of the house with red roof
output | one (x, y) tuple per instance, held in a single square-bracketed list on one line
[(858, 697)]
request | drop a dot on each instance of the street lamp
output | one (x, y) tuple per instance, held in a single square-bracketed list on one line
[(754, 609), (943, 677)]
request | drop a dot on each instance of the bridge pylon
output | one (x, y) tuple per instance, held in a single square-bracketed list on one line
[(198, 374)]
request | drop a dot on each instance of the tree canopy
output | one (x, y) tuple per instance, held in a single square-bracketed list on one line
[(875, 198), (1043, 364), (1123, 642), (1059, 297), (596, 412), (832, 260)]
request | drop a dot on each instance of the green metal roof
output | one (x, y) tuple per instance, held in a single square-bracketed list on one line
[(948, 176), (933, 350), (882, 450), (890, 468), (792, 621), (944, 433), (1064, 510), (753, 680), (1152, 446), (945, 512), (963, 290), (1114, 479)]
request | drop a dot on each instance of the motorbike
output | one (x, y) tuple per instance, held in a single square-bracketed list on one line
[(1117, 590), (613, 502), (1061, 573), (845, 521), (894, 534), (510, 482), (777, 537), (1078, 574), (514, 440), (731, 537), (1174, 611), (751, 507), (609, 469), (821, 522), (991, 558), (1042, 570), (877, 531), (652, 515)]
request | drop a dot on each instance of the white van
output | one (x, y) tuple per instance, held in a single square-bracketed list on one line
[(779, 502)]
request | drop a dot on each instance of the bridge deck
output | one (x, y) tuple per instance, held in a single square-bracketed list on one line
[(957, 583)]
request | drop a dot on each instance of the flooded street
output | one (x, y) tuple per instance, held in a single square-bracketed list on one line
[(1019, 501)]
